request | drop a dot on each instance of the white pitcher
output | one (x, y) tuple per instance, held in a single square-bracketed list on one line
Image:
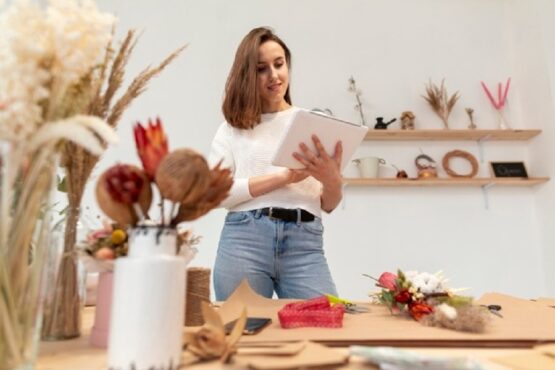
[(369, 166)]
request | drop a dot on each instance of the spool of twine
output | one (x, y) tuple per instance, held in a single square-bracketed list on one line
[(198, 290)]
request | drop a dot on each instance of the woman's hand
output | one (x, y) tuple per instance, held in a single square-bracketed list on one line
[(325, 169), (294, 176), (320, 165)]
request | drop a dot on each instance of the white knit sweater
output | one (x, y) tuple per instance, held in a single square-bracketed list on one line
[(248, 153)]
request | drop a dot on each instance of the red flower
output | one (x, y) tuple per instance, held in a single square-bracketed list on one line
[(418, 309), (124, 184), (403, 296), (387, 280), (152, 145)]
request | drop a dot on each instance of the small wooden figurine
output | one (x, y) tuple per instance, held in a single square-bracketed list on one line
[(470, 112), (407, 120)]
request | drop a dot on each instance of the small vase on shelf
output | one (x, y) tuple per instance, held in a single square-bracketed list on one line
[(502, 119)]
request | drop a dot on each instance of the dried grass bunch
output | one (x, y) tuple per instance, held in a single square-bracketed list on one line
[(95, 94), (440, 101), (60, 79), (44, 53)]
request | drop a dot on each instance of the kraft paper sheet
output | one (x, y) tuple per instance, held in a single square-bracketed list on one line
[(546, 301), (311, 355), (524, 324)]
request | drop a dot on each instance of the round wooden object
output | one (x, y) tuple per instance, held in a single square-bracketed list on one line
[(460, 154)]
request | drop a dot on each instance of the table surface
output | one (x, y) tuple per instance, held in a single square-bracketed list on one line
[(78, 354)]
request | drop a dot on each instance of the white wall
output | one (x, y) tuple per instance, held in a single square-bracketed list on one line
[(391, 48)]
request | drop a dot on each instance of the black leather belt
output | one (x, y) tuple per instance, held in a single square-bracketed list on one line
[(287, 214)]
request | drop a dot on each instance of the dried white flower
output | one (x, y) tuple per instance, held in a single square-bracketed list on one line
[(449, 311), (427, 283), (43, 52)]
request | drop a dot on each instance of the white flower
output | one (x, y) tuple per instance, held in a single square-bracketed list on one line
[(449, 311), (80, 34), (425, 282), (43, 52)]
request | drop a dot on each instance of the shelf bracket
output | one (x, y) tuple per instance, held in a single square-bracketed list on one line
[(485, 189), (481, 147)]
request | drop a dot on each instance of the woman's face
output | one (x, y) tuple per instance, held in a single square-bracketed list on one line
[(272, 76)]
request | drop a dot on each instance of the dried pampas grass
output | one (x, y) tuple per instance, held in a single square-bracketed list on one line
[(92, 95), (440, 101)]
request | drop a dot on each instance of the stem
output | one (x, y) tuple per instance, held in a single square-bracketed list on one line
[(445, 122), (359, 105), (9, 333), (138, 211)]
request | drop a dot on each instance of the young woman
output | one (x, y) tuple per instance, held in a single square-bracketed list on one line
[(273, 232)]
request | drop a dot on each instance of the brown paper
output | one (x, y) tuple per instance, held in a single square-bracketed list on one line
[(546, 349), (524, 324), (287, 349), (529, 361), (546, 301), (313, 355)]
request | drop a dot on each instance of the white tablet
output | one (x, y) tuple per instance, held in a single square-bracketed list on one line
[(329, 130)]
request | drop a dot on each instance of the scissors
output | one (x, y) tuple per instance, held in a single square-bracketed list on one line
[(350, 307), (494, 309)]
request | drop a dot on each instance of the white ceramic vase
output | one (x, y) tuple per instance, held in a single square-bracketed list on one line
[(148, 307)]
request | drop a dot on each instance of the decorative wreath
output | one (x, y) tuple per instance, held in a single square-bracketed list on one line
[(461, 154)]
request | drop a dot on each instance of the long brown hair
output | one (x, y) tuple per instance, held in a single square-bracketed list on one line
[(242, 106)]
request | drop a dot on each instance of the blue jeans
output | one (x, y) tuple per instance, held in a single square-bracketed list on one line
[(274, 255)]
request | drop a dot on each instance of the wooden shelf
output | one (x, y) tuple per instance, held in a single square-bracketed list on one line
[(448, 134), (481, 181)]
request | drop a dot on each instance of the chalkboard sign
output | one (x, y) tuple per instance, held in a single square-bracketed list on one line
[(508, 169)]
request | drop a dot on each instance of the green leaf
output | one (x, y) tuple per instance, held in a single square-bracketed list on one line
[(62, 184)]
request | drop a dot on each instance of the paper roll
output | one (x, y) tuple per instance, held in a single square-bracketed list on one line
[(147, 313)]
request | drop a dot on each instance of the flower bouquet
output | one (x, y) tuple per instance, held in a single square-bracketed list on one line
[(426, 298), (182, 177), (102, 246), (46, 52), (150, 280), (500, 102), (60, 84)]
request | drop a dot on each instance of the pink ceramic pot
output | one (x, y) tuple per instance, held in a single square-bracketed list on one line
[(100, 329)]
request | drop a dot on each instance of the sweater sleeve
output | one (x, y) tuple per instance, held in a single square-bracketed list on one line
[(221, 150)]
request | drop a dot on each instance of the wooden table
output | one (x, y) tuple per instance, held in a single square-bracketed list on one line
[(78, 354)]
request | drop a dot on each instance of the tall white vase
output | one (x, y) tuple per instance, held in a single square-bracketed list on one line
[(148, 303)]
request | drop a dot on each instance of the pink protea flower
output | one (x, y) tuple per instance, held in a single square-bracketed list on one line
[(388, 281)]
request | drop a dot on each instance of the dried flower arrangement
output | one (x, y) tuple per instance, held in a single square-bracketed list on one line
[(104, 245), (440, 101), (426, 298), (182, 177), (38, 117), (499, 103), (94, 93), (358, 93)]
